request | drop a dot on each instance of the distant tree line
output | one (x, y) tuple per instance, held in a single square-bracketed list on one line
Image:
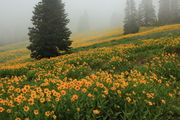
[(169, 13), (50, 36)]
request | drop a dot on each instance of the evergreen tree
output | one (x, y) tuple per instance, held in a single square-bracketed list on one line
[(164, 12), (49, 33), (146, 14), (175, 11), (131, 21)]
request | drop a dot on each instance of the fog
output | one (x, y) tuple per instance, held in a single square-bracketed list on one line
[(15, 16)]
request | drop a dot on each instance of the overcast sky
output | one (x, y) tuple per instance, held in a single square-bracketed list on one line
[(15, 15)]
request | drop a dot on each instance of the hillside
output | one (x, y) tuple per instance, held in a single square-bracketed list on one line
[(106, 76)]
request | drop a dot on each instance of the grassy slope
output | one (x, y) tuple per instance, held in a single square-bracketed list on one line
[(152, 54), (17, 53)]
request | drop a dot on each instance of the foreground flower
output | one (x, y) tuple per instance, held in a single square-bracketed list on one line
[(1, 109), (42, 100), (18, 119), (96, 112), (150, 103), (54, 116), (84, 90), (128, 99), (78, 109), (63, 92), (163, 101), (47, 113), (31, 101), (26, 108), (36, 112), (74, 97), (8, 110)]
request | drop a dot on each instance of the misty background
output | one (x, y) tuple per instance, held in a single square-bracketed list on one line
[(15, 16)]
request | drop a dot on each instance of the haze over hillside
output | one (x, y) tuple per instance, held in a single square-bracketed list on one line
[(15, 16)]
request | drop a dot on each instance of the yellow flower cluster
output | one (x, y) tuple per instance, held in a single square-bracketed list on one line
[(57, 91)]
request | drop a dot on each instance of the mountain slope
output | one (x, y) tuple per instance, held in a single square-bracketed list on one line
[(120, 77)]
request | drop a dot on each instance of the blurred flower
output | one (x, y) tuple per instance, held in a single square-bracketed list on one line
[(128, 99), (26, 108), (1, 109), (36, 112), (96, 112)]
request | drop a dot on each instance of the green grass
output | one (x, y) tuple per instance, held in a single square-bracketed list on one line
[(132, 83), (131, 40)]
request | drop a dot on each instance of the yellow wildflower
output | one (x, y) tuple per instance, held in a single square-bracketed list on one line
[(36, 112), (128, 99), (1, 109), (26, 108), (96, 112), (163, 101)]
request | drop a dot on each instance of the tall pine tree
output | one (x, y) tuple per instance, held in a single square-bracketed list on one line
[(164, 12), (131, 21), (146, 13), (49, 33)]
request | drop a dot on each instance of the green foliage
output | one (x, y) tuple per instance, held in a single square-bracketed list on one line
[(135, 80), (118, 65), (13, 72), (173, 49), (166, 67), (135, 40)]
